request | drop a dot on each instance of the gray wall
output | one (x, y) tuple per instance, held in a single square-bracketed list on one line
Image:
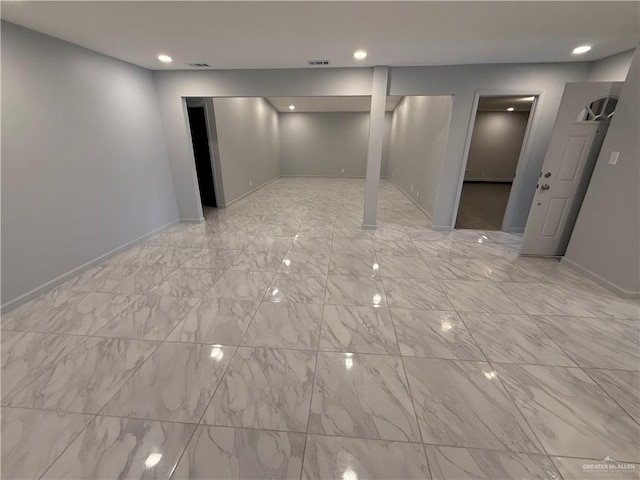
[(419, 132), (464, 82), (386, 143), (248, 144), (324, 143), (84, 164), (495, 145), (606, 237), (172, 86), (611, 69)]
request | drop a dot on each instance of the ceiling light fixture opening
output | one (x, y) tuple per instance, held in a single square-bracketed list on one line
[(360, 54), (165, 58), (510, 109), (292, 107), (581, 49)]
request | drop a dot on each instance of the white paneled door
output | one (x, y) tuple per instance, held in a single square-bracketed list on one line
[(581, 125)]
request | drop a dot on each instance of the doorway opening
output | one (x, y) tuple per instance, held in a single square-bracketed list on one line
[(202, 153), (499, 134)]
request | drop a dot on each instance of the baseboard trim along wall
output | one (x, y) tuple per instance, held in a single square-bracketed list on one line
[(420, 207), (231, 202), (488, 180), (599, 280), (192, 220), (324, 176), (51, 284)]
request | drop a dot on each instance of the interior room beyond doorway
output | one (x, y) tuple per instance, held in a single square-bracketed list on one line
[(498, 135)]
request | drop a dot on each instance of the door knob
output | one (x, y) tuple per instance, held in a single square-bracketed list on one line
[(545, 187)]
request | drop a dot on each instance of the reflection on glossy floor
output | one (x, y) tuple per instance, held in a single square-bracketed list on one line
[(482, 205), (280, 340)]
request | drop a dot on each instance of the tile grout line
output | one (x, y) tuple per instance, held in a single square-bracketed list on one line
[(302, 432), (504, 387), (317, 351), (490, 364), (584, 370)]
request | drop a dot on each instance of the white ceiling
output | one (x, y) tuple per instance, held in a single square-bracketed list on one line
[(286, 34), (500, 104), (329, 104)]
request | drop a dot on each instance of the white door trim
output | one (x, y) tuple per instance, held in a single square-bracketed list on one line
[(214, 154), (525, 150)]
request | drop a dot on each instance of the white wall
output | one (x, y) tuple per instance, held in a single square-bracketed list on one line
[(248, 144), (84, 164), (495, 146), (606, 237), (419, 132), (324, 143), (611, 69)]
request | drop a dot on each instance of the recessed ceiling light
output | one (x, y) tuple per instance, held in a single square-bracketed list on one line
[(360, 54), (528, 99), (292, 107), (510, 109), (581, 49), (165, 58)]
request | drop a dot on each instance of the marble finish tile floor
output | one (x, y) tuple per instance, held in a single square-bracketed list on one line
[(280, 340)]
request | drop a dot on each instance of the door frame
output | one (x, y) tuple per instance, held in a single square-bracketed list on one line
[(214, 156), (523, 158)]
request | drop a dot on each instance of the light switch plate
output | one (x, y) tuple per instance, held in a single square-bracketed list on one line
[(613, 158)]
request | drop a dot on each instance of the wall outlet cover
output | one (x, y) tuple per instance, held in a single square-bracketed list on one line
[(613, 158)]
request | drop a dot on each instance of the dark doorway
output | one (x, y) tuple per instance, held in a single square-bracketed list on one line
[(200, 140)]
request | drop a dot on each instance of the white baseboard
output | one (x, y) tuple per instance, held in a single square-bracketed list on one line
[(192, 220), (599, 280), (231, 202), (323, 176), (515, 230), (489, 180), (420, 207), (36, 292), (441, 228)]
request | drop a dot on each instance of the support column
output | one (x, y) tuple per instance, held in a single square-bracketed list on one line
[(374, 153)]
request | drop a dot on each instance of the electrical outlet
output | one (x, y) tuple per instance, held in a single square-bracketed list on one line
[(613, 159), (250, 183), (417, 193), (411, 188), (342, 170)]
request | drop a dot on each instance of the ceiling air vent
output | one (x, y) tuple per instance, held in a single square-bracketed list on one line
[(319, 62), (199, 65)]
